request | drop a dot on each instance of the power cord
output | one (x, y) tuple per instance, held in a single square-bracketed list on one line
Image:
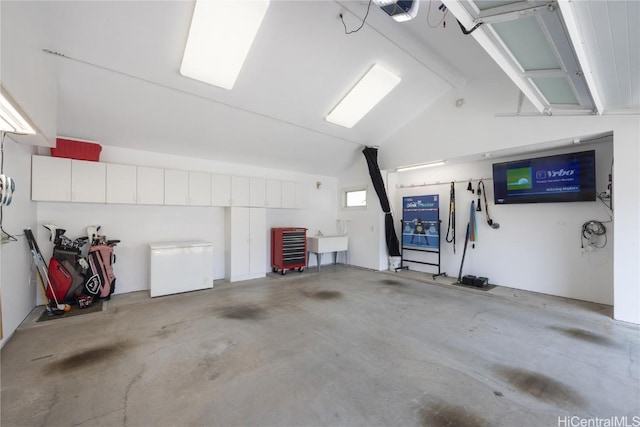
[(361, 25), (444, 10), (591, 233)]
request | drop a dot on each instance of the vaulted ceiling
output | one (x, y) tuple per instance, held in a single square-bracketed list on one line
[(119, 83)]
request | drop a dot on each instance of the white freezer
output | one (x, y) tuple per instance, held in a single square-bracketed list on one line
[(182, 266)]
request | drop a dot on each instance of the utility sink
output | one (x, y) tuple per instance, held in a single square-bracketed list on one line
[(323, 244)]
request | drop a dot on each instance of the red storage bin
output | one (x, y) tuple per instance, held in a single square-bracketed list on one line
[(75, 149)]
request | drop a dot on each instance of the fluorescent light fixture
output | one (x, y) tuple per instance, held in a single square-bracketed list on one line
[(221, 34), (424, 165), (370, 90), (11, 119)]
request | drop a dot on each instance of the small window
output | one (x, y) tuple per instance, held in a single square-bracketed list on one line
[(355, 198)]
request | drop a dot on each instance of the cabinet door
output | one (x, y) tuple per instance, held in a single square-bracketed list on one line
[(150, 186), (121, 183), (88, 181), (176, 187), (50, 179), (220, 190), (258, 240), (288, 195), (239, 191), (273, 189), (199, 189), (258, 194), (302, 196), (240, 237)]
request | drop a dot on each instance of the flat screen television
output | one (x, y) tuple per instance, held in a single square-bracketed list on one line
[(560, 178)]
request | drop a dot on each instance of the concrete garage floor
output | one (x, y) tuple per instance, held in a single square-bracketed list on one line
[(344, 347)]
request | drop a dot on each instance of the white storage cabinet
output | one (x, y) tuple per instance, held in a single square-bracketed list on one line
[(246, 243), (150, 186), (220, 190), (50, 179), (121, 183)]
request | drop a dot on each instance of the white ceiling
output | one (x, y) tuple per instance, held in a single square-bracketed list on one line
[(611, 30), (119, 82), (120, 85)]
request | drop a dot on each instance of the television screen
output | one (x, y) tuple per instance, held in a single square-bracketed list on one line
[(560, 178)]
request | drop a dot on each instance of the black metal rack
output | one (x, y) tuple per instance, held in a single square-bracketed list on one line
[(434, 251)]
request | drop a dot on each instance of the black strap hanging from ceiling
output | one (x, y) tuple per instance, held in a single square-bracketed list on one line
[(451, 227), (371, 154)]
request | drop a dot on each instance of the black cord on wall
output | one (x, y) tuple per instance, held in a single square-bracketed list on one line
[(361, 25)]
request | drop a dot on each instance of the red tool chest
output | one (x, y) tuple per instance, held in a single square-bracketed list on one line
[(288, 249)]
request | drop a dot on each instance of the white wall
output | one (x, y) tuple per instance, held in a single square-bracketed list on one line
[(365, 226), (537, 246), (16, 285), (446, 132), (138, 225), (26, 72)]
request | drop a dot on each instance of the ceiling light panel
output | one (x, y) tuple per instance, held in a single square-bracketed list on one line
[(422, 166), (220, 37), (10, 118), (365, 95)]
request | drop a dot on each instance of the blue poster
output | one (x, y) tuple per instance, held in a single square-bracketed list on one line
[(420, 222)]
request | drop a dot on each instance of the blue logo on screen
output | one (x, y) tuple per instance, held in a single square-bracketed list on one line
[(560, 173)]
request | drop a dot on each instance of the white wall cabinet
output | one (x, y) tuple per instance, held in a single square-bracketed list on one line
[(60, 179), (88, 181), (121, 183), (176, 187), (246, 243), (273, 193), (50, 179), (199, 189), (302, 196), (150, 186), (220, 190), (239, 191), (288, 195), (257, 195)]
